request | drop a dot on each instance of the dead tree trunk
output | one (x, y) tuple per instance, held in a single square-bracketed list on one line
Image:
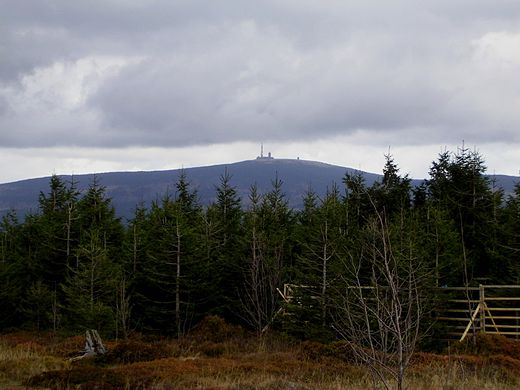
[(93, 346)]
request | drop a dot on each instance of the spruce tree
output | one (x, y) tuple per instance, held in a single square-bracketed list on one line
[(96, 212), (392, 193), (457, 184), (269, 233), (54, 232), (224, 245), (321, 237), (172, 282), (13, 273), (91, 285), (509, 269)]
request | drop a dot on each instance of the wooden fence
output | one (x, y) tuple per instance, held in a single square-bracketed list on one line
[(463, 311), (491, 309)]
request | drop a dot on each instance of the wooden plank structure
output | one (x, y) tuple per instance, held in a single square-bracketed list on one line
[(493, 309)]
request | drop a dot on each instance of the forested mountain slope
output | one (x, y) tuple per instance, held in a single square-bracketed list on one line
[(127, 189)]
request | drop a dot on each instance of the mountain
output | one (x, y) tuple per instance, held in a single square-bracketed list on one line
[(127, 189)]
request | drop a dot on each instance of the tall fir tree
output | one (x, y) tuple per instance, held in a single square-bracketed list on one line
[(457, 184), (55, 233), (172, 278), (91, 285), (321, 237), (224, 245), (268, 227), (96, 213), (13, 271)]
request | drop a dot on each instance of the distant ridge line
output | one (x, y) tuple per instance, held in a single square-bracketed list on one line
[(129, 188)]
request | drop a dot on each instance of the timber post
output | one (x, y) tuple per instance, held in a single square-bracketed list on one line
[(482, 301)]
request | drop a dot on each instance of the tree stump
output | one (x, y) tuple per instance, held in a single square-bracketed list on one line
[(93, 346)]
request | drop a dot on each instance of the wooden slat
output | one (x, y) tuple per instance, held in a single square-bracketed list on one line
[(459, 329), (452, 319), (504, 309), (463, 301), (504, 333), (456, 311), (502, 298), (501, 286), (457, 288), (477, 309), (507, 326)]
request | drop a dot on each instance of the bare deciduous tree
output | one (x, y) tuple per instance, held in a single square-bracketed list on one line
[(259, 296), (381, 308), (266, 225)]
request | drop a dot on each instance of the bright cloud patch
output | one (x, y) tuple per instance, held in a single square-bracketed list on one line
[(501, 49), (47, 106), (63, 86)]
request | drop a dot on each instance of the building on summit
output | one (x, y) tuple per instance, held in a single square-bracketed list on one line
[(262, 157)]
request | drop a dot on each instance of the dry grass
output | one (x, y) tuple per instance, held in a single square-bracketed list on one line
[(24, 360), (221, 358)]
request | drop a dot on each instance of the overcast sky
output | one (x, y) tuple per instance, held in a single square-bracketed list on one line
[(104, 85)]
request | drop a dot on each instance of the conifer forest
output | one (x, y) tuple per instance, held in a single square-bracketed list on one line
[(73, 265)]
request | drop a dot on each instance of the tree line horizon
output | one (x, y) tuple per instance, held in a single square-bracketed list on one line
[(74, 265)]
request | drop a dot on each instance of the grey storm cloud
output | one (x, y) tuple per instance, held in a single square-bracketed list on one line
[(179, 73)]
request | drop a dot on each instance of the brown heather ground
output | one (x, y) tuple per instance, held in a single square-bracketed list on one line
[(218, 356)]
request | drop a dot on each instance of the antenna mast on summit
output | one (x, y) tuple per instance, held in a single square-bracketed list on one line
[(262, 150)]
